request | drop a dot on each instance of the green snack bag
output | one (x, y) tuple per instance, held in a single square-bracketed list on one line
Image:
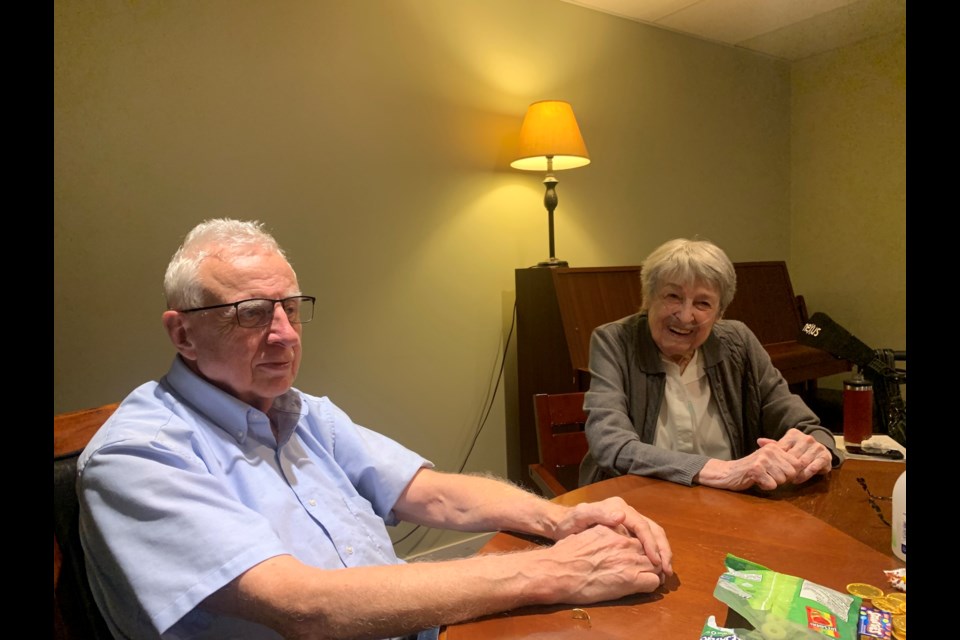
[(713, 631), (782, 607)]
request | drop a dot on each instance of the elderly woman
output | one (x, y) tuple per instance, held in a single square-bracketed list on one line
[(680, 394)]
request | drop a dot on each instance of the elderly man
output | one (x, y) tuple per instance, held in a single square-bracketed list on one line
[(223, 502)]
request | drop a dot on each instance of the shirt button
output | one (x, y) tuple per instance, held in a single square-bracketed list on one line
[(349, 551), (239, 435), (312, 502)]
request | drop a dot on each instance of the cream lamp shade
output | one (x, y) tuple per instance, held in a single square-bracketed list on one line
[(550, 132)]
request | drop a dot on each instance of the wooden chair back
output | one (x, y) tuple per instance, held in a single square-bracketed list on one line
[(72, 431), (75, 614), (561, 440)]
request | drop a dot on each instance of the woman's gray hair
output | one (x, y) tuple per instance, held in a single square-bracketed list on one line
[(688, 262), (216, 237)]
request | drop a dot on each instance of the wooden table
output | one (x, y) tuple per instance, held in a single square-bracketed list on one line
[(843, 501), (825, 531)]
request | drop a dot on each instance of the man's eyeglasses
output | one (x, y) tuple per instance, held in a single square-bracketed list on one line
[(258, 312)]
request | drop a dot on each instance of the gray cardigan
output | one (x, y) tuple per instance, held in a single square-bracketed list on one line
[(753, 400)]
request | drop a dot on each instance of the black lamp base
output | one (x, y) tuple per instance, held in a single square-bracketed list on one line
[(553, 262), (550, 202)]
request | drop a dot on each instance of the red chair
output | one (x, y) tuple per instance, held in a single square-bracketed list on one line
[(561, 440)]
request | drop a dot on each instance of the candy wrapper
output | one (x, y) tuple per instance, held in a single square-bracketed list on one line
[(778, 606), (713, 631), (875, 623), (897, 579)]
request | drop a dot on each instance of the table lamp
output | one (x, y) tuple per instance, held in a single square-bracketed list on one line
[(550, 141)]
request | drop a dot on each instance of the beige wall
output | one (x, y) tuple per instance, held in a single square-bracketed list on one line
[(373, 137), (848, 182)]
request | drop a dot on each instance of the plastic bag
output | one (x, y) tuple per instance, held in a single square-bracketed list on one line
[(782, 607)]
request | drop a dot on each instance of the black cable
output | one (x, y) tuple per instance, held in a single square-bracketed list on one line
[(503, 362), (407, 535), (485, 413)]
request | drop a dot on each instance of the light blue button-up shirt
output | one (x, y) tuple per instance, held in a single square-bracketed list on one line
[(185, 487)]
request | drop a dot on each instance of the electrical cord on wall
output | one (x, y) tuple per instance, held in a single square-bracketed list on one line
[(496, 387), (484, 413)]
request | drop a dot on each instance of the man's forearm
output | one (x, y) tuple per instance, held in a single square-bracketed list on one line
[(382, 601), (300, 601), (476, 503)]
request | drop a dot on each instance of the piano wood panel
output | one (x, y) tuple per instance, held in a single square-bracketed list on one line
[(591, 297), (765, 301)]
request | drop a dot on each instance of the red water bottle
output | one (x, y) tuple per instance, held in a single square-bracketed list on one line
[(857, 409)]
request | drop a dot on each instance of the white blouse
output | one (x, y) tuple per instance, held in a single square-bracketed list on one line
[(689, 420)]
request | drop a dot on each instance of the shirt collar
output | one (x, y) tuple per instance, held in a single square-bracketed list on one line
[(229, 413), (693, 370)]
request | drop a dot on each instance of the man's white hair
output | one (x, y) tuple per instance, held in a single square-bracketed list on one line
[(216, 237)]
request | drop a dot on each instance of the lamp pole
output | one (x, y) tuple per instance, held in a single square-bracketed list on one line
[(550, 202)]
